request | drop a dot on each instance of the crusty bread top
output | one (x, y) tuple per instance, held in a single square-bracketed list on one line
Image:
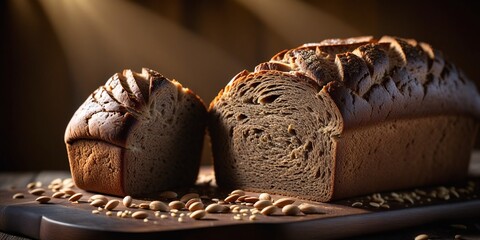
[(374, 80), (109, 112)]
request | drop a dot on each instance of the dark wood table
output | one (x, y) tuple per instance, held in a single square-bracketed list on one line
[(438, 218)]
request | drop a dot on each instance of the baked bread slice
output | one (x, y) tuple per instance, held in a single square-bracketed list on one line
[(345, 117), (138, 134)]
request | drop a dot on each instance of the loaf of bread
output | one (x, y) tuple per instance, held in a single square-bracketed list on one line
[(345, 117), (138, 134)]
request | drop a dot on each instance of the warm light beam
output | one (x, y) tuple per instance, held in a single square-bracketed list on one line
[(297, 22), (103, 37)]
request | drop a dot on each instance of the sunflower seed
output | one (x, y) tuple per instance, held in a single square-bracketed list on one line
[(43, 199), (112, 204)]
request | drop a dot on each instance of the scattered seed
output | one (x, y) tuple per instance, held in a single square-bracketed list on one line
[(109, 213), (176, 205), (454, 192), (245, 210), (67, 181), (283, 202), (158, 206), (119, 213), (112, 204), (421, 237), (193, 200), (196, 206), (56, 181), (376, 197), (252, 218), (242, 198), (145, 220), (421, 192), (215, 199), (180, 219), (75, 197), (231, 198), (140, 215), (55, 188), (269, 210), (43, 199), (31, 185), (98, 196), (310, 208), (254, 211), (385, 206), (98, 202), (168, 194), (394, 194), (225, 209), (238, 191), (164, 216), (237, 217), (198, 214), (37, 191), (357, 204), (458, 236), (127, 201), (58, 195), (291, 210), (374, 204), (265, 196), (95, 211), (144, 205), (68, 191), (409, 199), (18, 195), (189, 196), (262, 204)]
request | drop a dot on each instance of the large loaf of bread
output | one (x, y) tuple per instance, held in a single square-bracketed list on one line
[(138, 134), (345, 117)]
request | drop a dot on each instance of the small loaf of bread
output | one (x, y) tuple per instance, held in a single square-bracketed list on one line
[(138, 134), (345, 117)]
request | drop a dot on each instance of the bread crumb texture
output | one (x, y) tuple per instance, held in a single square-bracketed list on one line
[(345, 117), (139, 133)]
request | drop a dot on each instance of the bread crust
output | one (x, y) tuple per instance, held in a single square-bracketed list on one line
[(371, 83), (113, 139)]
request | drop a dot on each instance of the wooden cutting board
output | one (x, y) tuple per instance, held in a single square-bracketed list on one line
[(61, 219)]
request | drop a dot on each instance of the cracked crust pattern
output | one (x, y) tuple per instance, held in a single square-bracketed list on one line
[(321, 120), (138, 134)]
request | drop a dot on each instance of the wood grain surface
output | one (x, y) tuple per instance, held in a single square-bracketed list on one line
[(61, 219)]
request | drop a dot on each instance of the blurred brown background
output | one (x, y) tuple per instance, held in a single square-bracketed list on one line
[(54, 53)]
